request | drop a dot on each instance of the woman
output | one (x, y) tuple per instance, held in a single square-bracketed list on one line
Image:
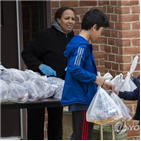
[(45, 55)]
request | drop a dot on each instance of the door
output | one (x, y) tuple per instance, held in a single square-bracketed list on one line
[(10, 119)]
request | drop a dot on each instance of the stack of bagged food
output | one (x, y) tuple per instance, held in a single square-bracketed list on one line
[(22, 86)]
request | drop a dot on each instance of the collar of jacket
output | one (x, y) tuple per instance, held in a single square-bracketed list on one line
[(57, 26)]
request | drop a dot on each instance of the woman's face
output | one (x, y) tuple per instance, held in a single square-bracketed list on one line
[(67, 20)]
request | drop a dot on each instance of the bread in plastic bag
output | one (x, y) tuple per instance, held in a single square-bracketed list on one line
[(12, 74), (58, 85), (45, 89), (102, 109), (17, 93), (4, 91), (32, 90)]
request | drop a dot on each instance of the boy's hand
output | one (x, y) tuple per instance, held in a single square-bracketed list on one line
[(108, 85), (99, 80)]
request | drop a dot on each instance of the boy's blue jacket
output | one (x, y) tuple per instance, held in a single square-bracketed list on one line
[(80, 86)]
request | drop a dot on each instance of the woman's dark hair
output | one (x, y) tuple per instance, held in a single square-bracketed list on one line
[(59, 12), (94, 16)]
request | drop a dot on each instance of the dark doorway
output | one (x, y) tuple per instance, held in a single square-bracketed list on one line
[(34, 17), (10, 119)]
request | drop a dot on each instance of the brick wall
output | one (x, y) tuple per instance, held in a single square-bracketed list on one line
[(120, 43)]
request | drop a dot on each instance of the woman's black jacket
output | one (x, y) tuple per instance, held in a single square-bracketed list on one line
[(47, 47)]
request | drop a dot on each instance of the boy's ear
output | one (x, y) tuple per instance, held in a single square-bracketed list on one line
[(94, 26)]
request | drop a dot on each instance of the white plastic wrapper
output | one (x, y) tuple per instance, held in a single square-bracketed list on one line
[(58, 85), (17, 93), (10, 75), (102, 109), (32, 91), (4, 91), (45, 89)]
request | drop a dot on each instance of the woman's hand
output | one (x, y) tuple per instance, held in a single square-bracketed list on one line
[(115, 91)]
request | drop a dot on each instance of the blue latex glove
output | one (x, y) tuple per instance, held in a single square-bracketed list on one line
[(47, 70)]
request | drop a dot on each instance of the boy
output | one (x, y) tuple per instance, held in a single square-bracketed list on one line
[(81, 80)]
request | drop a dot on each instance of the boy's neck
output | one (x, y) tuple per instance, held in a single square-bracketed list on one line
[(85, 34)]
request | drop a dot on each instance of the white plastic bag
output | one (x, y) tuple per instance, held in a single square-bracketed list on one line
[(58, 85), (17, 93), (128, 84), (118, 81), (45, 90), (32, 90), (102, 109), (124, 109), (4, 91)]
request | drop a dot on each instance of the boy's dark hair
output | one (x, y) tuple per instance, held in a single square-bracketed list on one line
[(59, 12), (94, 16)]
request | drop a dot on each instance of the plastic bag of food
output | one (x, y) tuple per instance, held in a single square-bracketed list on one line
[(45, 90), (17, 93), (102, 109), (32, 90), (124, 109), (4, 91), (58, 85)]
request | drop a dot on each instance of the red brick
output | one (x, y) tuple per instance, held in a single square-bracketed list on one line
[(122, 10), (131, 50), (113, 17), (111, 25), (100, 3), (96, 47), (128, 2), (77, 26), (54, 3), (107, 33), (136, 25), (100, 40), (110, 9), (111, 57), (99, 54), (111, 41), (108, 49), (101, 69), (80, 10), (122, 26), (129, 34), (125, 59), (125, 67), (136, 42), (113, 2), (102, 62), (115, 50), (88, 3), (114, 33), (128, 18), (115, 66), (69, 3), (106, 2), (136, 9)]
